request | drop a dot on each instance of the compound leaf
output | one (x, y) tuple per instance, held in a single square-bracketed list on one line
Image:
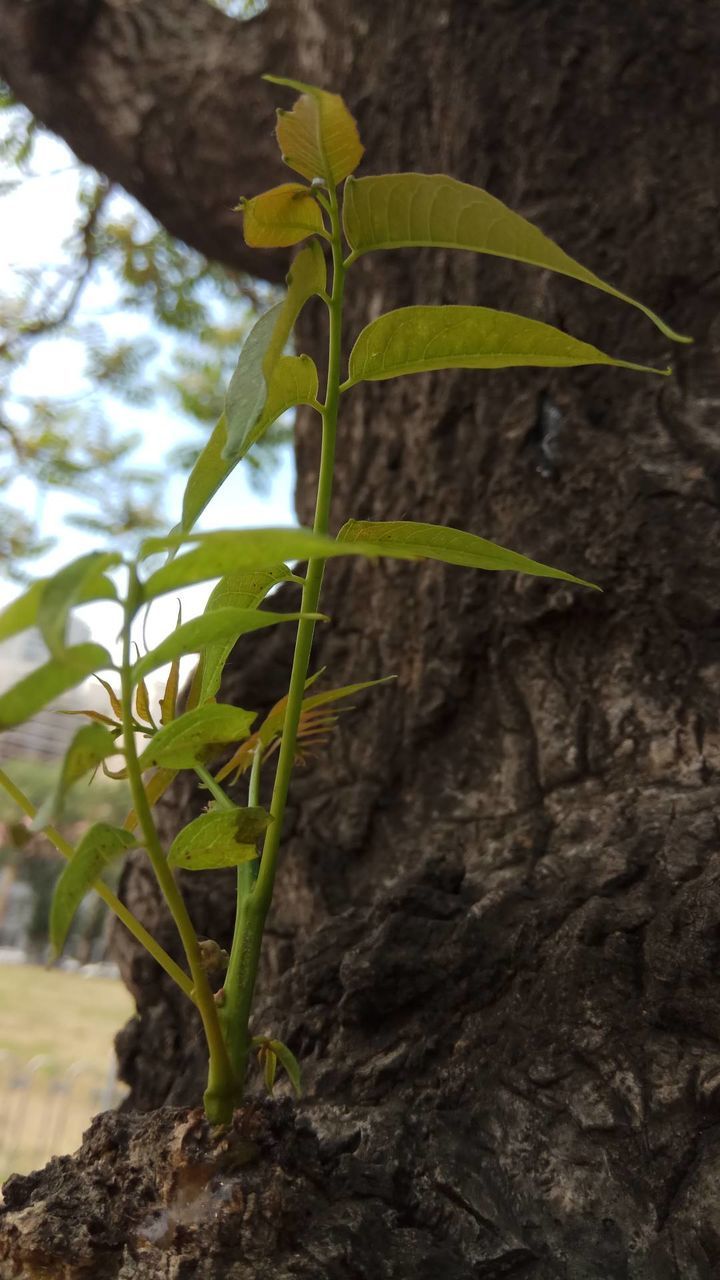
[(398, 210), (419, 339)]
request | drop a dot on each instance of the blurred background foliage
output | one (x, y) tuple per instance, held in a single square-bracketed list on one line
[(151, 324)]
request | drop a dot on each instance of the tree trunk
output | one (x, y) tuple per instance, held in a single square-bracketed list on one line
[(495, 941)]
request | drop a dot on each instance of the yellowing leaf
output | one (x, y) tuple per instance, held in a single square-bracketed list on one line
[(142, 703), (319, 137), (168, 702), (113, 699), (418, 339), (398, 210), (311, 723), (280, 217)]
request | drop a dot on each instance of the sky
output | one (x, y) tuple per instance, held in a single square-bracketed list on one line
[(35, 219)]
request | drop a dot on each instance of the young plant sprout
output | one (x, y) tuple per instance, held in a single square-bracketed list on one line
[(341, 218)]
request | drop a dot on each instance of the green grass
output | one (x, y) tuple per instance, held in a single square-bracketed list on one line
[(70, 1020), (101, 800)]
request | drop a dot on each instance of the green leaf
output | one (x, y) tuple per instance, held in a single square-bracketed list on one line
[(250, 384), (281, 217), (290, 1063), (452, 546), (418, 339), (48, 682), (221, 838), (221, 625), (210, 471), (90, 746), (184, 742), (319, 137), (294, 381), (222, 551), (248, 390), (398, 210), (244, 590), (22, 613), (65, 590), (98, 847)]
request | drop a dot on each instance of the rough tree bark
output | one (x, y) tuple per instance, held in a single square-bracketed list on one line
[(495, 945)]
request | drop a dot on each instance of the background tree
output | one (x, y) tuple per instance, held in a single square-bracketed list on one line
[(495, 940)]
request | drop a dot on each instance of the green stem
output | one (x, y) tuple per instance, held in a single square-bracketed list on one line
[(242, 974), (220, 1093), (132, 924), (213, 787), (236, 1033)]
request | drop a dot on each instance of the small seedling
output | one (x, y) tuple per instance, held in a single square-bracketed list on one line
[(342, 218)]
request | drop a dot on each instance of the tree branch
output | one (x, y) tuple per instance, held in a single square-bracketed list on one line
[(149, 93)]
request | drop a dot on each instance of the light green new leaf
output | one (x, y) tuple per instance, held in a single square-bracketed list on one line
[(225, 625), (219, 839), (294, 381), (243, 590), (319, 137), (22, 613), (269, 1059), (436, 542), (290, 1063), (90, 746), (184, 742), (98, 847), (250, 384), (48, 682), (224, 550), (418, 339), (399, 210), (66, 589)]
